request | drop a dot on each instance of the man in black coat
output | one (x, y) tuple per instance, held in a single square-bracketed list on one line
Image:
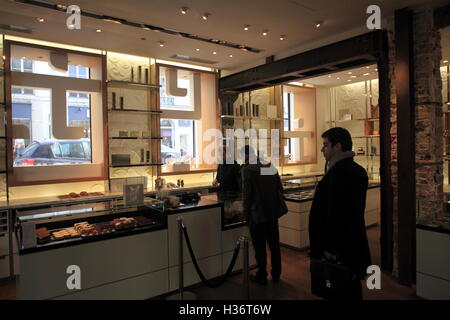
[(263, 205), (336, 222)]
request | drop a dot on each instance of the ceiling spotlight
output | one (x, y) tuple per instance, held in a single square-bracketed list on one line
[(231, 56), (352, 76), (349, 72), (40, 19), (161, 43), (61, 7), (366, 74), (329, 76), (214, 52), (265, 33), (282, 37), (338, 78), (376, 69), (246, 27), (98, 30), (197, 49), (318, 24), (445, 61), (205, 16), (367, 67), (349, 80), (184, 10)]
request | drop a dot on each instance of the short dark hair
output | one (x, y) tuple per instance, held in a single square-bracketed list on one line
[(339, 135)]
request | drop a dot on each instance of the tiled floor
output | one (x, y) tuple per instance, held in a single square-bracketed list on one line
[(294, 284)]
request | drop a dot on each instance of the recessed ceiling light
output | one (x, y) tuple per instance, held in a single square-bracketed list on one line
[(367, 67), (366, 74), (265, 32), (338, 78), (161, 43), (61, 7), (352, 76), (318, 24), (329, 76), (98, 30), (205, 16), (197, 49), (231, 56), (40, 19), (349, 72), (246, 27), (214, 52), (376, 69), (184, 10), (349, 80), (445, 61), (282, 37)]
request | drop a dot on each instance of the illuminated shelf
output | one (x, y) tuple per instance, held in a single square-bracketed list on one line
[(135, 110), (252, 118), (362, 137), (136, 138), (135, 165), (129, 83), (362, 119)]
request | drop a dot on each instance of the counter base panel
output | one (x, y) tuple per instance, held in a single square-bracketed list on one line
[(44, 274), (136, 288)]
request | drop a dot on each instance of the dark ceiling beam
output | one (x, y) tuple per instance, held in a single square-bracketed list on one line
[(339, 56), (442, 17)]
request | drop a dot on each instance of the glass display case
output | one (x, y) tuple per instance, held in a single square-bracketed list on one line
[(52, 227), (301, 188)]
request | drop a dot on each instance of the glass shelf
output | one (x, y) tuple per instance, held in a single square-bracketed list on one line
[(252, 118), (362, 119), (129, 83), (136, 138), (135, 110), (135, 165)]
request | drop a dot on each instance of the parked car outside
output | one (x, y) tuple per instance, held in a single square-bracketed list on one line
[(54, 152)]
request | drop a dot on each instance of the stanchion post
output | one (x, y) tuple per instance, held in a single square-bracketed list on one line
[(245, 267), (180, 256)]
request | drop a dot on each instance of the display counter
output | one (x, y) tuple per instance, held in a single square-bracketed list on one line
[(134, 262), (299, 194)]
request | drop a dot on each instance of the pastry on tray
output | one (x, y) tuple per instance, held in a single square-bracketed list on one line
[(143, 221), (124, 223)]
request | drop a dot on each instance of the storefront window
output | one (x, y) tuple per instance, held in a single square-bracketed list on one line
[(56, 115), (188, 101), (177, 144)]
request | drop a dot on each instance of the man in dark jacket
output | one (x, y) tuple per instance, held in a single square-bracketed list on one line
[(336, 221), (228, 177), (263, 205)]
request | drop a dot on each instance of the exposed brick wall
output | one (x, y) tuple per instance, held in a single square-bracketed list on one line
[(393, 131), (429, 121)]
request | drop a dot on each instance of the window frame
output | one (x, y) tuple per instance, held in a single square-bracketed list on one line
[(103, 167), (157, 143)]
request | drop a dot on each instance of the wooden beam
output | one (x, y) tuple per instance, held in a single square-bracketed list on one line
[(404, 74), (341, 55)]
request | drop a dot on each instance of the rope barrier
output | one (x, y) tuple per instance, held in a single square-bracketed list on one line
[(224, 277)]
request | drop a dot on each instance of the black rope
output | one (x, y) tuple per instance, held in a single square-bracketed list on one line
[(194, 260)]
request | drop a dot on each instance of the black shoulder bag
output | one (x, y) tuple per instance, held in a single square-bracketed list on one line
[(329, 279)]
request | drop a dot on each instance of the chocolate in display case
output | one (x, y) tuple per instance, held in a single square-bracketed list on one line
[(53, 227)]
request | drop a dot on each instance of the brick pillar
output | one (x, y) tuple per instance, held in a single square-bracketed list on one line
[(429, 117), (428, 121), (393, 132)]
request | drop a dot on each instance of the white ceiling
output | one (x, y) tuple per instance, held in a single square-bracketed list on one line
[(345, 77), (294, 18)]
